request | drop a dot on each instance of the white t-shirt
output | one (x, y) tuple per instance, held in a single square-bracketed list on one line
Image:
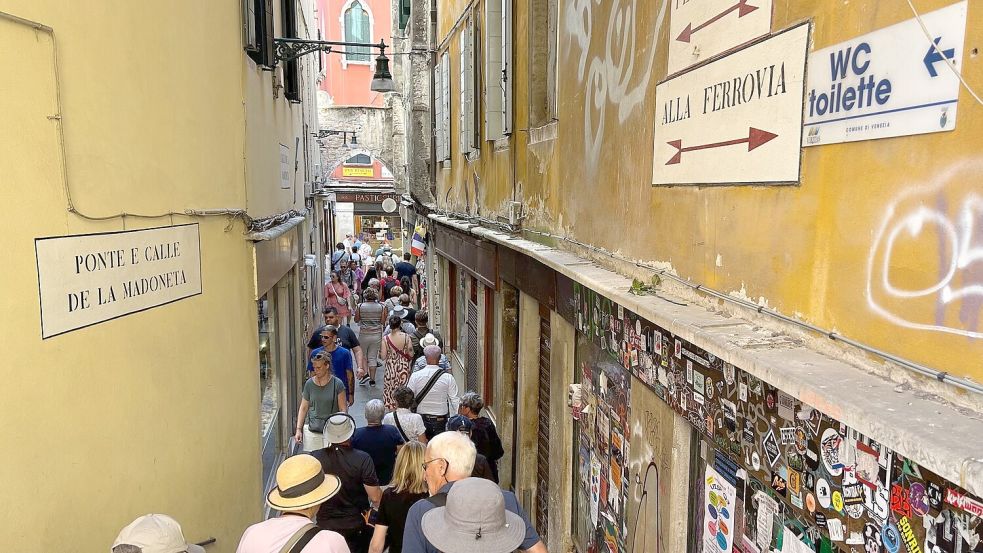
[(442, 399), (411, 422), (271, 535)]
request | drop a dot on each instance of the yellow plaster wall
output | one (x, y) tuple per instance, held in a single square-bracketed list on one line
[(155, 411), (803, 250)]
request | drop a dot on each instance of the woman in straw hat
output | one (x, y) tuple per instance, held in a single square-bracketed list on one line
[(301, 488)]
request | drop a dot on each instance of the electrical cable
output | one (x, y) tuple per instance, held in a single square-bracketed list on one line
[(231, 213), (938, 50)]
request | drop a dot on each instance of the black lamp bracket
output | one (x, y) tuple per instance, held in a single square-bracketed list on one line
[(289, 49)]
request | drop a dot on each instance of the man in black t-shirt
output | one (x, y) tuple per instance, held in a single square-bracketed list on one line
[(346, 336), (359, 485)]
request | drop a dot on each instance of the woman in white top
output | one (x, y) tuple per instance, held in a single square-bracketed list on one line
[(410, 424)]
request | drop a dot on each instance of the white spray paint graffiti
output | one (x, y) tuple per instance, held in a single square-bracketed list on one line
[(611, 79), (960, 261)]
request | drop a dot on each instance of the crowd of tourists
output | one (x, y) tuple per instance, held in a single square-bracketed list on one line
[(420, 476)]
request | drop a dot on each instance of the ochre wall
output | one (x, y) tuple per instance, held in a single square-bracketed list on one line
[(155, 411), (810, 250)]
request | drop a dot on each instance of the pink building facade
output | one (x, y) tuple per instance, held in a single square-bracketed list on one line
[(348, 75)]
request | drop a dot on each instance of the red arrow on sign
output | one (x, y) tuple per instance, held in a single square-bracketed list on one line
[(755, 138), (742, 9)]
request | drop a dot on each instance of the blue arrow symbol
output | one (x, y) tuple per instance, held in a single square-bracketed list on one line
[(934, 55)]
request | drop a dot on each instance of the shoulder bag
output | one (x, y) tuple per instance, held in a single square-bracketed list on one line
[(316, 425), (400, 427), (300, 539), (426, 389)]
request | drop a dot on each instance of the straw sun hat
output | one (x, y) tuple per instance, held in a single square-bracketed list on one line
[(301, 483)]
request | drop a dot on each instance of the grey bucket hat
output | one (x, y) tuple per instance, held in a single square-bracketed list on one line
[(474, 519)]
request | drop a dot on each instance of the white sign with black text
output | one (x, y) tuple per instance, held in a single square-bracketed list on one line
[(700, 30), (734, 120), (91, 278), (891, 82)]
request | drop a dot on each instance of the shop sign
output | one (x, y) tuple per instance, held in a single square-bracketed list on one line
[(735, 120), (892, 82), (88, 279), (364, 197), (700, 30), (357, 172)]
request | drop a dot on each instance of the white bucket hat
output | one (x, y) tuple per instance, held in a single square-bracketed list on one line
[(339, 428), (156, 534), (474, 519)]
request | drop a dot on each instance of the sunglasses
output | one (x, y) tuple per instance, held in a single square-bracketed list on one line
[(321, 357)]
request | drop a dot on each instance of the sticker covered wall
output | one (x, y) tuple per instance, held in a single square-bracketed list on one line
[(801, 480)]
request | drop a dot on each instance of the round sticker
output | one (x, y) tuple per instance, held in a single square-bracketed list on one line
[(709, 387), (755, 461), (811, 502), (890, 537), (919, 499), (838, 501), (829, 451), (823, 493)]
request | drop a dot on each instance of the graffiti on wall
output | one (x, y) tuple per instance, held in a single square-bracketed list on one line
[(790, 477), (925, 268), (612, 66)]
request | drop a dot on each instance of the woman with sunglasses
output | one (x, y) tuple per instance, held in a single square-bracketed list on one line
[(324, 395)]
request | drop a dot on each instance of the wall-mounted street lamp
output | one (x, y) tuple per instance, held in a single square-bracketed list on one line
[(324, 133), (289, 49)]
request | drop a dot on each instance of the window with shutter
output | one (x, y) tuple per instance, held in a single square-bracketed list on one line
[(507, 66), (494, 89), (438, 120), (463, 130), (249, 37), (445, 82), (404, 13)]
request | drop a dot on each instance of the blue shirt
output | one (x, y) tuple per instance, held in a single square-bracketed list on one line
[(415, 542), (380, 443), (341, 365)]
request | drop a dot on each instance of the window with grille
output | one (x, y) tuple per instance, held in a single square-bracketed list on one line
[(357, 30), (543, 450)]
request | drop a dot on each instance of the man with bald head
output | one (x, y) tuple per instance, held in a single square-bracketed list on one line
[(436, 393)]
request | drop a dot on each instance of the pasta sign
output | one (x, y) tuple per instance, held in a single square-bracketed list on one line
[(88, 279)]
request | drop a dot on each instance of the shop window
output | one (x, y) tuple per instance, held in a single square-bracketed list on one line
[(461, 315), (452, 286), (269, 411), (357, 29)]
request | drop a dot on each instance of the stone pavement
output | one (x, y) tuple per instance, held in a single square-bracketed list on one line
[(365, 393)]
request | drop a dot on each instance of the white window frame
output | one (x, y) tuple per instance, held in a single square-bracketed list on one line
[(341, 23), (445, 82), (494, 81), (507, 37)]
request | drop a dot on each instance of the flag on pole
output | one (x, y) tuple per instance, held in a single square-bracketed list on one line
[(419, 244)]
